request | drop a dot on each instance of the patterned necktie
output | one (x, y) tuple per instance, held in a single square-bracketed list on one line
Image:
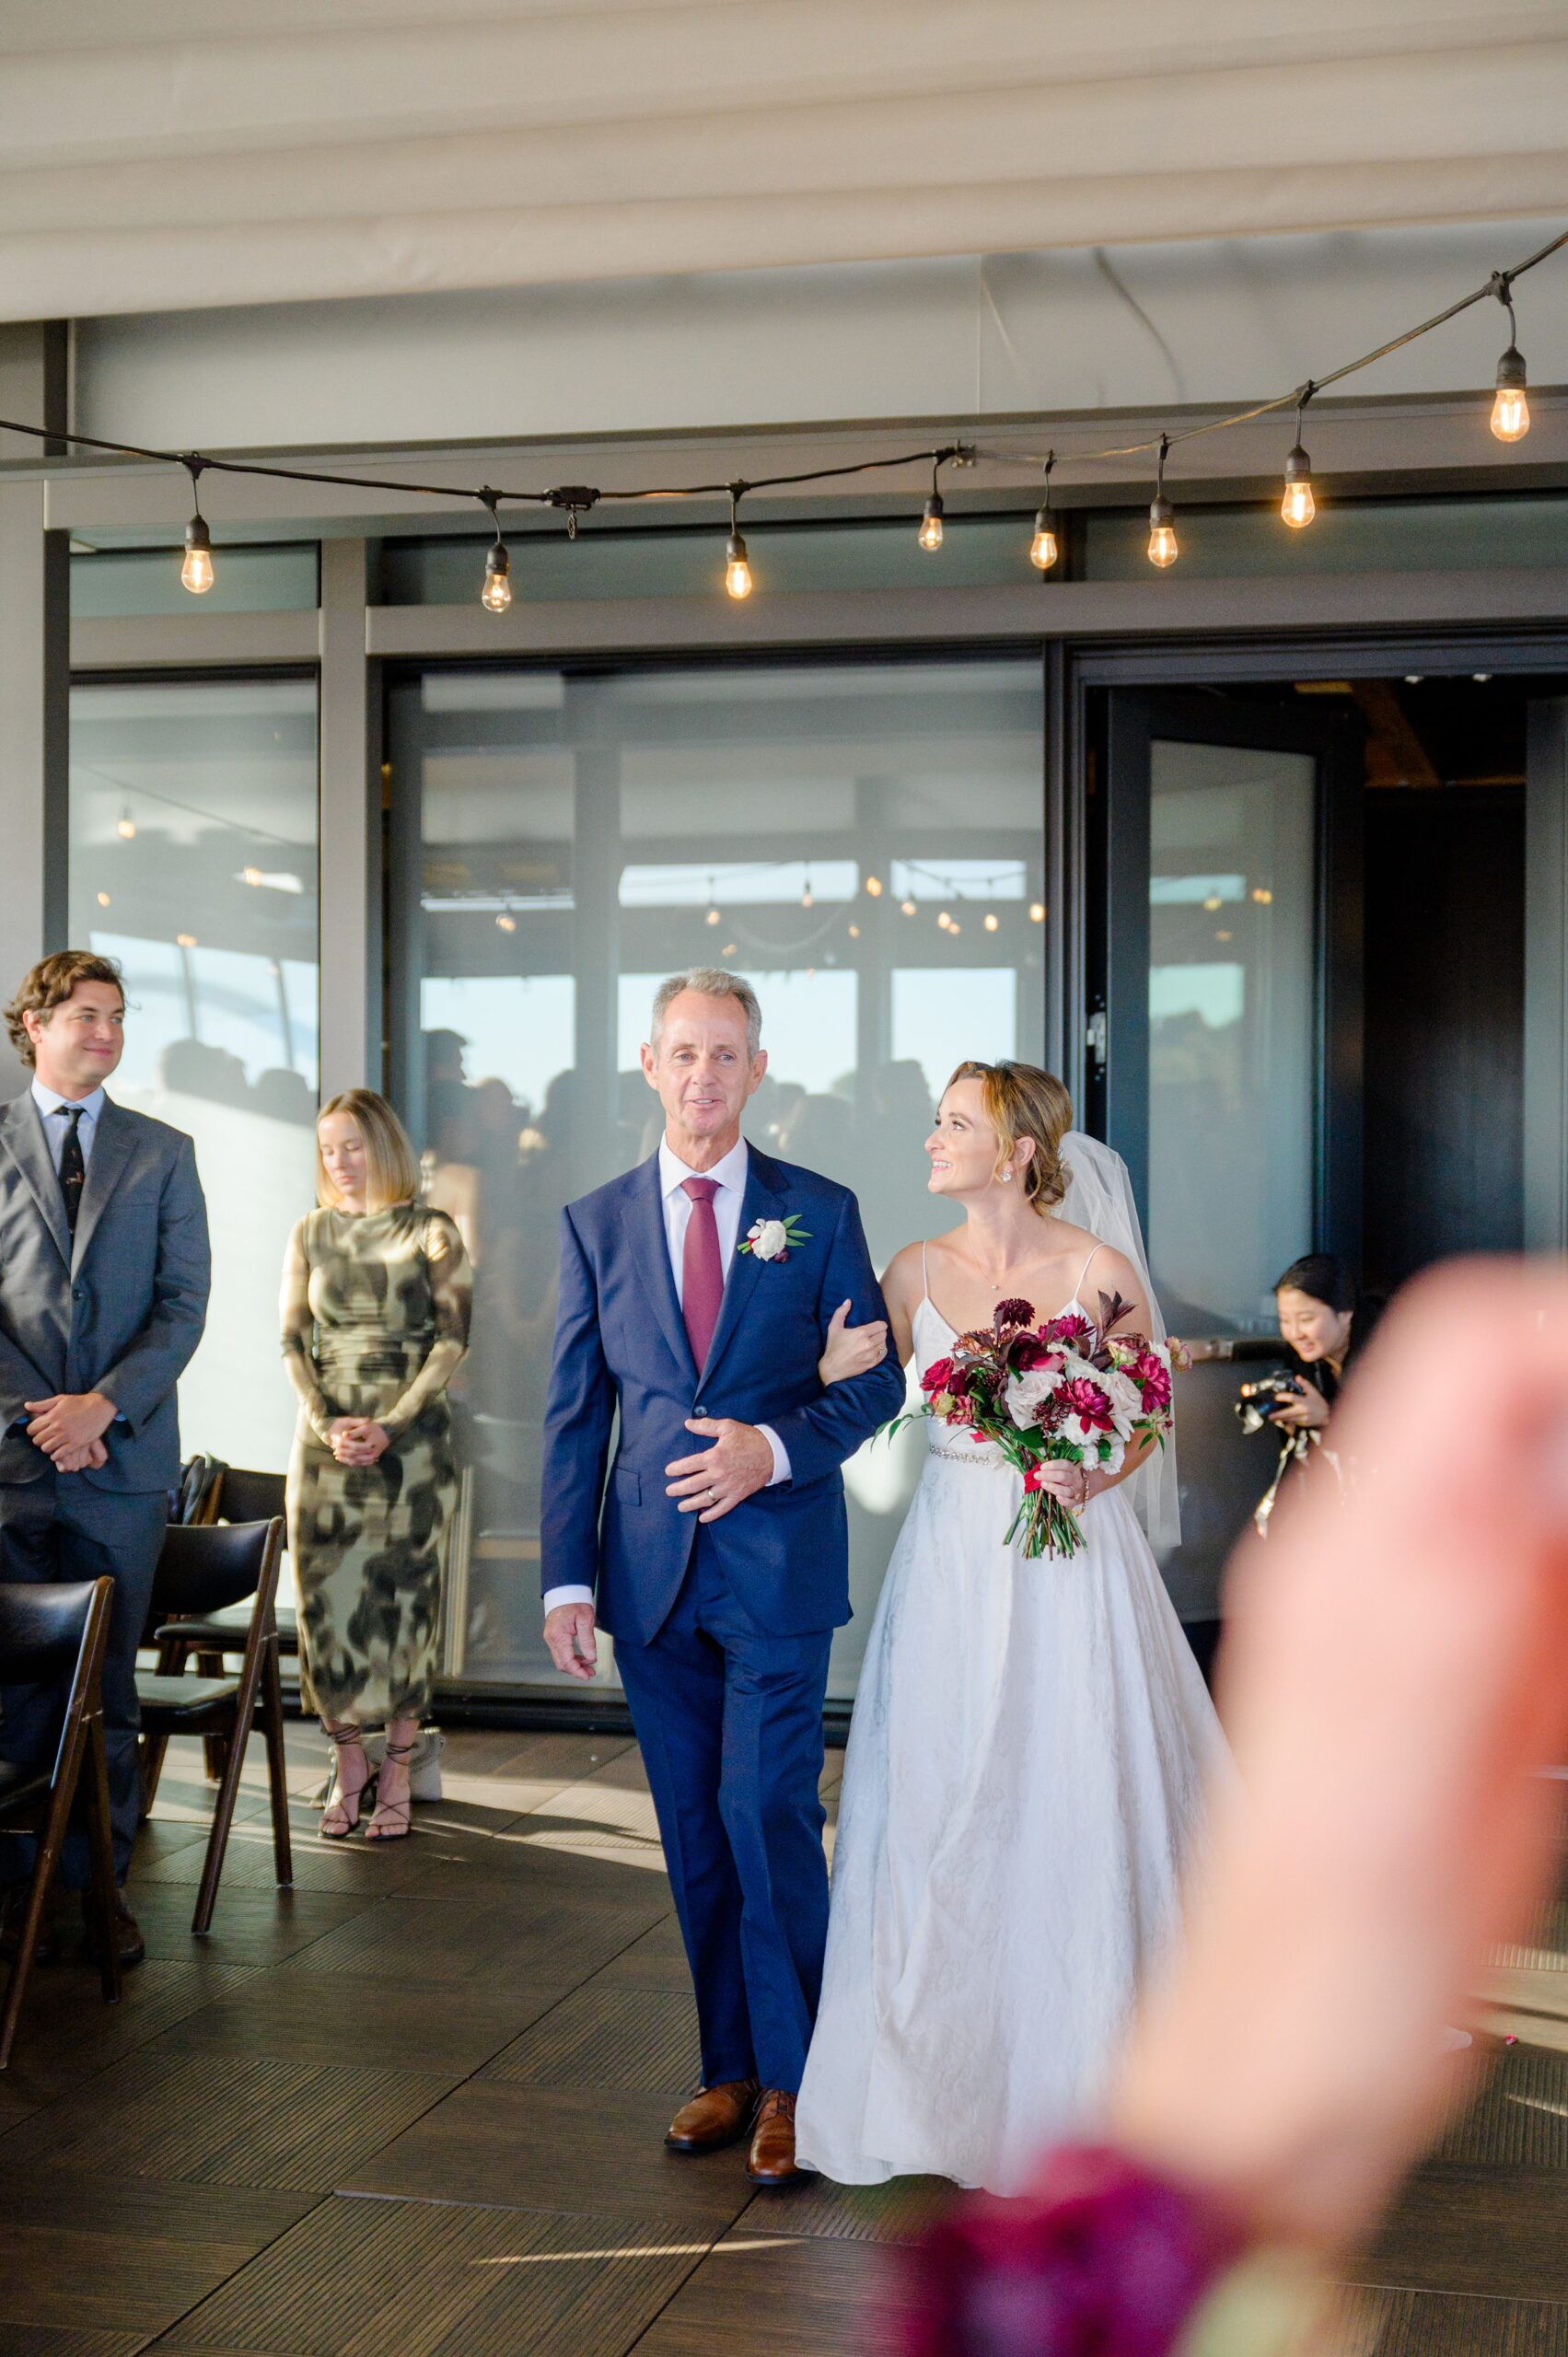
[(702, 1274), (73, 1169)]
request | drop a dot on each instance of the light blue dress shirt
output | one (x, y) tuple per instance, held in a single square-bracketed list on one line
[(53, 1110)]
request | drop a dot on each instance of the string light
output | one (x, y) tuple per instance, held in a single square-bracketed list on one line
[(126, 827), (713, 915), (505, 924), (496, 594), (991, 921), (103, 900), (185, 940), (874, 885), (1163, 550), (806, 899), (1510, 421), (944, 920), (1298, 507), (1036, 911), (908, 906), (855, 933), (197, 572), (737, 565), (929, 534), (1042, 547), (1510, 410)]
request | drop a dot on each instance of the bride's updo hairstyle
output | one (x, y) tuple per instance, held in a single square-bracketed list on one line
[(1022, 1101)]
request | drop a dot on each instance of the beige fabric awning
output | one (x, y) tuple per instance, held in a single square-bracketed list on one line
[(179, 154)]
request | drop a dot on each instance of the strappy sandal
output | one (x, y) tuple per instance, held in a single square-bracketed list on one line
[(393, 1818), (344, 1806)]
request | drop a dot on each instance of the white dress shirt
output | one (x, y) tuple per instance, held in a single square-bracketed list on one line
[(53, 1110), (729, 1174)]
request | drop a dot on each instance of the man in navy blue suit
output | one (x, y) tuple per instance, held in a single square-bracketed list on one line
[(696, 1296)]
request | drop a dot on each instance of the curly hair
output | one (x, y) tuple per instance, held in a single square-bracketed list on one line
[(1022, 1101), (50, 984)]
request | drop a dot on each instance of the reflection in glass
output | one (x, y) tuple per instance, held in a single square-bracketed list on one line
[(193, 861), (769, 819), (1231, 914)]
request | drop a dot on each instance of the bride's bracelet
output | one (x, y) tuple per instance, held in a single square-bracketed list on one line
[(1103, 2258)]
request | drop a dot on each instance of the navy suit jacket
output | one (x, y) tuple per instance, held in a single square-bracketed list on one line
[(621, 1342)]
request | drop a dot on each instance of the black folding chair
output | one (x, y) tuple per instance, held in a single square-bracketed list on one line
[(203, 1569), (234, 1494), (50, 1633)]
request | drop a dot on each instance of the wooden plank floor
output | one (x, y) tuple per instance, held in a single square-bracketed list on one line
[(414, 2108)]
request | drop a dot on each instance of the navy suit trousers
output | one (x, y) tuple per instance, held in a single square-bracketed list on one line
[(62, 1527), (730, 1724)]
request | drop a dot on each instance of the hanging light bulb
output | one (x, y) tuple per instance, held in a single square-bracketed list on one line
[(991, 921), (126, 828), (496, 594), (806, 900), (929, 534), (196, 573), (1510, 410), (908, 906), (713, 915), (103, 900), (1036, 911), (737, 565), (874, 885), (506, 923), (1297, 507), (855, 933), (1163, 550), (1043, 548)]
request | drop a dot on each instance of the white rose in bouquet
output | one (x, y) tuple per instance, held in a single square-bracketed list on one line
[(1026, 1394)]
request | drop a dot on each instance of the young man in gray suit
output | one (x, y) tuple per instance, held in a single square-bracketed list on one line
[(104, 1274)]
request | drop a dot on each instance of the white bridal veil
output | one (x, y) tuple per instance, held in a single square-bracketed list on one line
[(1099, 1197)]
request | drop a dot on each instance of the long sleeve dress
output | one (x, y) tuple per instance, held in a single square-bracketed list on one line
[(374, 1323)]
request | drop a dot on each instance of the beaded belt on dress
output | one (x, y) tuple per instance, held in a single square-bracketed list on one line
[(987, 1454)]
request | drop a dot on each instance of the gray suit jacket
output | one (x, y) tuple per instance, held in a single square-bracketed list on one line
[(119, 1307)]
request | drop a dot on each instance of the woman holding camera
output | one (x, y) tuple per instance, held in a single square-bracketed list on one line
[(1325, 1323)]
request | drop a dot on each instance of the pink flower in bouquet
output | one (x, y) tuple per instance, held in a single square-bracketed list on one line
[(1085, 1401), (1070, 1329), (1152, 1376)]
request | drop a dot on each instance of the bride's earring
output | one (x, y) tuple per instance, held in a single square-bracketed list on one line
[(1006, 1177)]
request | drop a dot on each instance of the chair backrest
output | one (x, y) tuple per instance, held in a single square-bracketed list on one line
[(41, 1629), (203, 1567), (245, 1496)]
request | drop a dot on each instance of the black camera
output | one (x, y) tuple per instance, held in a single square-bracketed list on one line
[(1256, 1402)]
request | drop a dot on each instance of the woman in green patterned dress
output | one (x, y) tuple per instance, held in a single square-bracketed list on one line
[(376, 1297)]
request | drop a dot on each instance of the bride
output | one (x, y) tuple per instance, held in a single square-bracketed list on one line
[(1030, 1739)]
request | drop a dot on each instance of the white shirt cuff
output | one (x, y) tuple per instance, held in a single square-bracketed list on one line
[(781, 1471), (568, 1594)]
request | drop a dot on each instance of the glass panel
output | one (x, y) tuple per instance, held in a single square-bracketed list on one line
[(576, 840), (111, 582), (978, 552), (1361, 535), (1231, 1028), (192, 860)]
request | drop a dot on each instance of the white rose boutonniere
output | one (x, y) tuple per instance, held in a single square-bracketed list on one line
[(773, 1239)]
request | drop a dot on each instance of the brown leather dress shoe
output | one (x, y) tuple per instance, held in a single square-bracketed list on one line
[(127, 1931), (716, 2117), (771, 2158)]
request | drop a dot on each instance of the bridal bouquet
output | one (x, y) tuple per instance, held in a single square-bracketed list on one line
[(1067, 1392)]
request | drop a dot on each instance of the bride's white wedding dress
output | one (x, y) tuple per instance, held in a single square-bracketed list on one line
[(1021, 1787)]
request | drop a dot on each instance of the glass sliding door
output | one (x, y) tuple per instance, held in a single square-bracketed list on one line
[(1230, 986), (863, 841), (192, 860)]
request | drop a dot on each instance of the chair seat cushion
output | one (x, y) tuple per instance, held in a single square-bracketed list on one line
[(226, 1631), (18, 1785), (168, 1698)]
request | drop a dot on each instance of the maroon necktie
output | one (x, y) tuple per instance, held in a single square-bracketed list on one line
[(702, 1274)]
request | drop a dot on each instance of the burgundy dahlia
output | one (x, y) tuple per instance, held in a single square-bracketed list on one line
[(1013, 1313)]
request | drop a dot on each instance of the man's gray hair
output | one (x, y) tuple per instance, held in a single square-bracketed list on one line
[(713, 982)]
